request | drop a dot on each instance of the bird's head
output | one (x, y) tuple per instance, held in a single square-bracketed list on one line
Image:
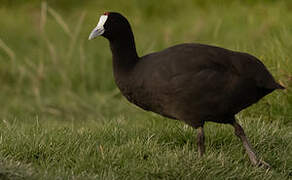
[(111, 25)]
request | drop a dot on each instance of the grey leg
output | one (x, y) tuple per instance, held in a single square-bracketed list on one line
[(201, 141), (251, 154)]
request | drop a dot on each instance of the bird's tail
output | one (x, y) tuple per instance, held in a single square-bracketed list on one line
[(278, 86)]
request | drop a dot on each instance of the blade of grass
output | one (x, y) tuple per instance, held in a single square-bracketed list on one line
[(7, 50), (60, 21), (43, 19), (75, 34)]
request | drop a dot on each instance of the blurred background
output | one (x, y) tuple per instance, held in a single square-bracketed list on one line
[(49, 68)]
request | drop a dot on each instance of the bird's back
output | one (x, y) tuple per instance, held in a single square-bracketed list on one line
[(195, 81)]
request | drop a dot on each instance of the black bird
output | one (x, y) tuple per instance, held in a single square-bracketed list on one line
[(192, 82)]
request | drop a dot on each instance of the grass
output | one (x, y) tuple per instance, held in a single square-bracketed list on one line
[(62, 116)]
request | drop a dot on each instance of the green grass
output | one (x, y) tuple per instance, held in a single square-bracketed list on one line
[(62, 117)]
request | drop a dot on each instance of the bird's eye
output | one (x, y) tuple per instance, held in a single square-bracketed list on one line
[(106, 13)]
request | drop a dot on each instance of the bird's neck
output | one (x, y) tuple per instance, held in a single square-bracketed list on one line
[(124, 52)]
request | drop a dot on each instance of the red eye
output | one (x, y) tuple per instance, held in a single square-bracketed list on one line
[(106, 13)]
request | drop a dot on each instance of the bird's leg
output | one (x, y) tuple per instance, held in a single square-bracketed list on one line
[(251, 154), (201, 141)]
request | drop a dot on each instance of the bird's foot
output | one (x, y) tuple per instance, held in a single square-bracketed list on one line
[(262, 163)]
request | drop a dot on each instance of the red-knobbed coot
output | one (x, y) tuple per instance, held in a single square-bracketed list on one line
[(193, 83)]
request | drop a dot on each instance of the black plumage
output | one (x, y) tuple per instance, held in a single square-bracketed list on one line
[(193, 83)]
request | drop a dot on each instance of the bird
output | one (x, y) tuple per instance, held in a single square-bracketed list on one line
[(190, 82)]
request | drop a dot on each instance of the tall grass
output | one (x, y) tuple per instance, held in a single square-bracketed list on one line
[(63, 117)]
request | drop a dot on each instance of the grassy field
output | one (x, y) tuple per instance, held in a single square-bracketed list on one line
[(62, 117)]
